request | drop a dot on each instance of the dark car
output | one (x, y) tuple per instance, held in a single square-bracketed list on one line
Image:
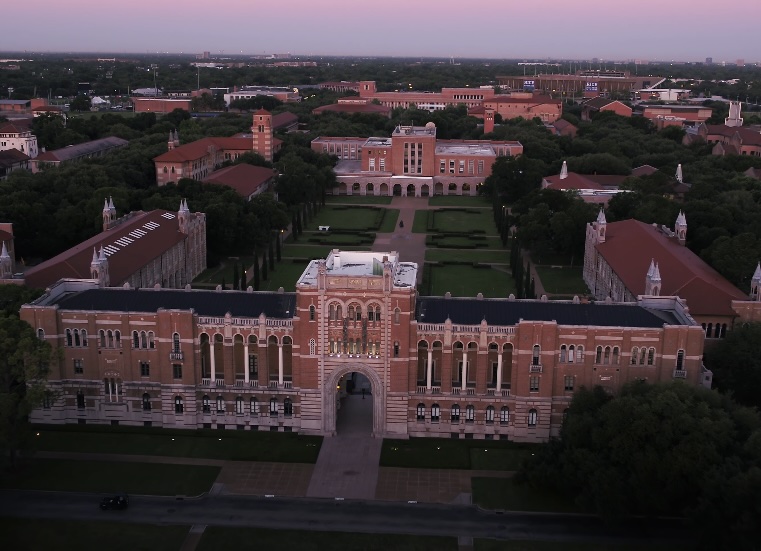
[(118, 502)]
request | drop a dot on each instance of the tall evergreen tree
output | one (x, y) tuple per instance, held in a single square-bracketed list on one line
[(527, 282), (256, 270), (518, 278), (236, 279), (224, 285), (243, 278), (271, 256), (294, 229), (264, 267), (278, 252)]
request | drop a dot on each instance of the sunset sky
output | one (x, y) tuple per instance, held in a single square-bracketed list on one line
[(607, 29)]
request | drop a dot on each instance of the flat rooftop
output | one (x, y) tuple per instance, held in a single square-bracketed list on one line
[(378, 142), (447, 148), (361, 264), (427, 130)]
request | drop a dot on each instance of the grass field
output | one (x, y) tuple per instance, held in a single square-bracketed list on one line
[(464, 241), (468, 255), (212, 444), (503, 493), (225, 271), (285, 275), (420, 224), (496, 545), (443, 453), (341, 217), (565, 280), (74, 475), (358, 200), (215, 538), (464, 221), (458, 201), (68, 535), (466, 281)]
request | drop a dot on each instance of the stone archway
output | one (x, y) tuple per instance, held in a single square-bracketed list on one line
[(329, 413)]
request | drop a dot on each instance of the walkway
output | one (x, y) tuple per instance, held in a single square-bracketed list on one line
[(410, 246), (347, 466)]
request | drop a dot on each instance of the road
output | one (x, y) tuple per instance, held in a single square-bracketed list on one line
[(341, 516)]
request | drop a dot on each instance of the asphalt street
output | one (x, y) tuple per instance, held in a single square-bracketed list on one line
[(341, 516)]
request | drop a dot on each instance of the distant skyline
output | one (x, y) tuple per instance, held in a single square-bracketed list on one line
[(684, 30)]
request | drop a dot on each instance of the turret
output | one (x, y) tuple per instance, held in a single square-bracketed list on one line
[(183, 216), (564, 171), (680, 228), (170, 142), (601, 226), (6, 264), (109, 214), (261, 131), (488, 120), (679, 177), (99, 268), (755, 283), (653, 279), (734, 118)]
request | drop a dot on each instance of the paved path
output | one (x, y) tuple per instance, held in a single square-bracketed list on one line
[(348, 462), (410, 246)]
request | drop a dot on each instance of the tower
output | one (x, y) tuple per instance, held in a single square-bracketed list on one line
[(183, 216), (734, 118), (366, 88), (488, 120), (6, 264), (170, 142), (99, 268), (679, 177), (601, 226), (653, 279), (564, 173), (109, 214), (262, 134), (680, 228), (755, 283)]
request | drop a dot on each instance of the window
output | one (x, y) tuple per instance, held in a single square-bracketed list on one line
[(253, 366), (151, 342), (442, 167), (332, 312), (80, 400), (455, 413), (606, 355), (598, 355), (397, 315), (135, 340), (533, 384), (563, 354), (145, 369), (451, 166), (651, 356), (579, 354), (435, 413), (146, 402), (470, 414), (311, 312), (490, 415), (535, 355), (312, 347), (421, 412), (239, 405), (179, 406), (177, 371), (680, 360), (568, 381), (69, 340), (176, 343), (571, 351), (461, 168), (396, 349), (504, 415), (615, 355), (79, 367), (206, 404), (46, 400), (112, 389), (532, 417), (220, 404), (635, 351), (273, 407), (41, 334), (254, 407), (287, 407)]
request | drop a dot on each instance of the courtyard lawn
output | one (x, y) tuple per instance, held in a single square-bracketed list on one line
[(466, 281), (26, 534), (444, 453), (72, 475), (217, 537), (420, 225), (358, 199), (503, 493), (498, 545), (464, 242), (458, 201), (497, 459), (212, 444), (346, 217), (564, 280), (285, 275), (552, 258), (461, 220), (224, 271), (389, 221), (468, 255)]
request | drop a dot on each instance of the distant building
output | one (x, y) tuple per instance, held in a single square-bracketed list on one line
[(160, 105), (562, 127), (281, 93), (12, 159), (86, 150), (354, 105), (19, 137), (681, 115), (341, 87), (520, 104), (15, 105), (428, 101), (248, 180), (581, 84), (730, 138), (600, 104), (663, 94)]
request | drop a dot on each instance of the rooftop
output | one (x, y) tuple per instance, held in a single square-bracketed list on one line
[(428, 130), (81, 149), (361, 264)]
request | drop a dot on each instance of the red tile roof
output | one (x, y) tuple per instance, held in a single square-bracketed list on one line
[(631, 245), (244, 178), (151, 234), (644, 170), (584, 181), (370, 108), (284, 120), (200, 148), (13, 128), (534, 100)]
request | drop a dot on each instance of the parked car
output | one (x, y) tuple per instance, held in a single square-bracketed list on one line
[(118, 502)]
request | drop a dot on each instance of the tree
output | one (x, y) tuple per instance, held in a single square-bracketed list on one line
[(243, 278), (278, 253), (24, 366), (236, 277), (271, 255), (256, 270), (80, 103), (736, 364), (264, 266)]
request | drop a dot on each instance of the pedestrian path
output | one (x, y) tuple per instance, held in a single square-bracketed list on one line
[(410, 246)]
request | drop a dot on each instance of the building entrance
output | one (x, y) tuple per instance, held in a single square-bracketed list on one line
[(354, 405)]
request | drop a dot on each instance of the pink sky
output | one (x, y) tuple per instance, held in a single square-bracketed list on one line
[(607, 29)]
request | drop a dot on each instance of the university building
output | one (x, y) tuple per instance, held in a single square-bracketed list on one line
[(412, 162), (434, 366)]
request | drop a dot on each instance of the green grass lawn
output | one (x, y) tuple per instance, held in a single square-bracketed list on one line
[(503, 493), (212, 444), (216, 537), (468, 255), (66, 535), (285, 275), (346, 218), (358, 199), (464, 242), (496, 545), (466, 281), (443, 453), (464, 221), (420, 224), (389, 221), (225, 271), (565, 280), (458, 201), (74, 475), (554, 259)]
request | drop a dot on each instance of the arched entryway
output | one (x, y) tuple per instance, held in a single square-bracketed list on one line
[(424, 191), (346, 409), (411, 190), (398, 190), (384, 190)]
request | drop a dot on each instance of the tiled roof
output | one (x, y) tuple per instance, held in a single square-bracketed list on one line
[(81, 149), (243, 178), (128, 246), (630, 246), (353, 108), (562, 124), (13, 156), (284, 120), (13, 128), (200, 148), (533, 100), (585, 181), (471, 311), (644, 170), (204, 303)]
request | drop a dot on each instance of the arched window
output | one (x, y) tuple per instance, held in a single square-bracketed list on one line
[(109, 339), (118, 338), (680, 360), (206, 404), (273, 407), (176, 343), (563, 353), (338, 312), (571, 353), (84, 337), (397, 316), (533, 417), (312, 347), (396, 349), (470, 414), (254, 406), (535, 355), (220, 404), (151, 342), (239, 405), (598, 355), (490, 415), (135, 340), (102, 338), (642, 354), (287, 407), (146, 402), (723, 334), (311, 312), (179, 406), (606, 355), (41, 334), (615, 355), (435, 413), (332, 312), (351, 312), (579, 354), (635, 351), (77, 342), (421, 412), (651, 356), (358, 313), (455, 413), (143, 339), (504, 416)]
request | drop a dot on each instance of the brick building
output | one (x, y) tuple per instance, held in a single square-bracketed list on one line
[(434, 366), (412, 162), (77, 152), (600, 104), (520, 104), (585, 83), (19, 137)]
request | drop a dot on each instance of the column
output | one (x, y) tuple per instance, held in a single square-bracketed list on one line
[(213, 363), (464, 373), (499, 372), (280, 364), (245, 362), (429, 370)]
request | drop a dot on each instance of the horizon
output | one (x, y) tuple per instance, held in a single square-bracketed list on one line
[(651, 32)]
